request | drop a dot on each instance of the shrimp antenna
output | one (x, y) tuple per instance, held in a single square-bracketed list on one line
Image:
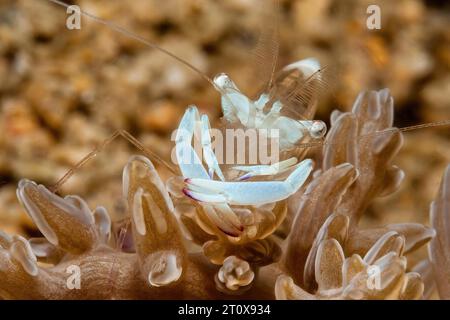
[(442, 123), (137, 37)]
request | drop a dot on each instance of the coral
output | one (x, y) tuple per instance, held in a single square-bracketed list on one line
[(160, 266), (234, 274), (380, 274), (356, 168), (439, 248), (173, 247)]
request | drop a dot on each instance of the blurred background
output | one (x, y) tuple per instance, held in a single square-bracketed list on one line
[(62, 92)]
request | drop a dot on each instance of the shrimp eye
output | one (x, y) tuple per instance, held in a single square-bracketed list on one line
[(222, 81), (318, 129)]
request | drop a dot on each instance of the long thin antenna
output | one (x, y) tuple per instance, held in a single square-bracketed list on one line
[(137, 37), (119, 133), (442, 123)]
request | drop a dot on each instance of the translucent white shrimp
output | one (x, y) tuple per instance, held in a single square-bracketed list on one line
[(237, 107), (266, 170), (217, 196), (255, 193)]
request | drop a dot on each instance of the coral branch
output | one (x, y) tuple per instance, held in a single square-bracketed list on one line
[(319, 201), (157, 237), (366, 139), (65, 222), (439, 250)]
